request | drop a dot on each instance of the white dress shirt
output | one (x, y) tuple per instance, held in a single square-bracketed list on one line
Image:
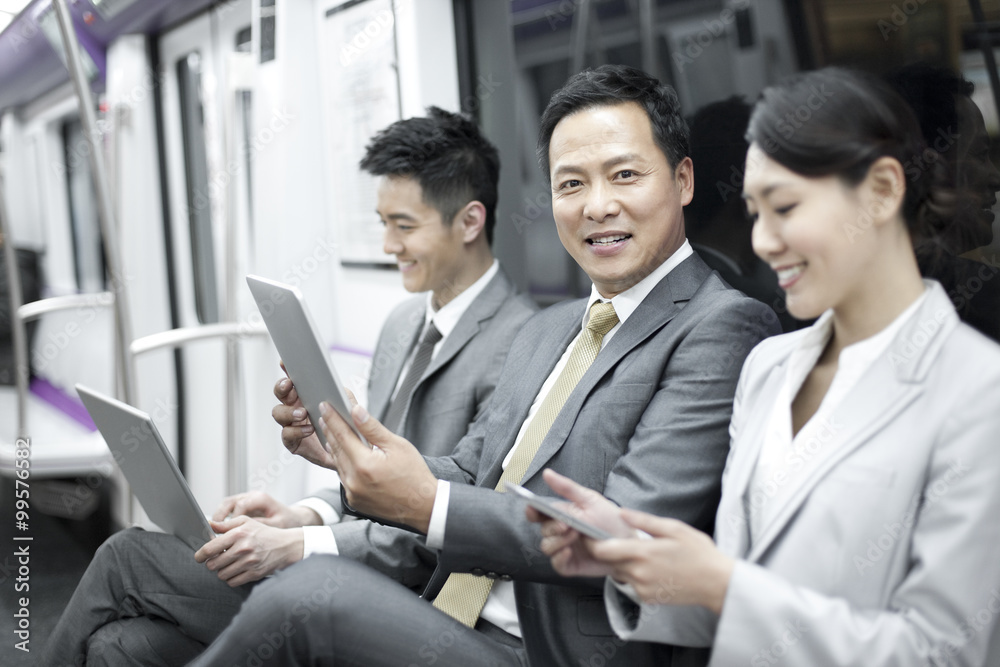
[(500, 609), (320, 539)]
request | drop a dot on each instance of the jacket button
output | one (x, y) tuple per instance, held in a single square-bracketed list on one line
[(491, 575), (505, 577), (477, 571)]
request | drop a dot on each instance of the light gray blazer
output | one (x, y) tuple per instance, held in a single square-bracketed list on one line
[(889, 553)]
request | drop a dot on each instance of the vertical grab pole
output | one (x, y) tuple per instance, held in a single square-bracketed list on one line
[(109, 227), (105, 208), (18, 331)]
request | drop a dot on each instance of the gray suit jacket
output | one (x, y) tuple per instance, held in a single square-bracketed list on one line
[(646, 426), (459, 381), (889, 552)]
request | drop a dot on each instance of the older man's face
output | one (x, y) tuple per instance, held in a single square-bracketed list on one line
[(616, 201)]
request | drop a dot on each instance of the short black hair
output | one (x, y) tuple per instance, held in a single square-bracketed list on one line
[(447, 155), (609, 85)]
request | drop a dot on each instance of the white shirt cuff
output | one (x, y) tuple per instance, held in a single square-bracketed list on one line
[(327, 513), (439, 516), (318, 540)]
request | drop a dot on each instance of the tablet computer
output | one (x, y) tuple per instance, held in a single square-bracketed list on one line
[(301, 349), (149, 468), (549, 508)]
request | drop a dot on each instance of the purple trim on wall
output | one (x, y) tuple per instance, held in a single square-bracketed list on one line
[(350, 350), (60, 400)]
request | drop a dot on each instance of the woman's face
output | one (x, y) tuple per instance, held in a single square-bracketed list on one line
[(815, 233)]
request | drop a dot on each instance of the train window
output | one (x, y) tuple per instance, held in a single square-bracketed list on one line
[(196, 183), (85, 229)]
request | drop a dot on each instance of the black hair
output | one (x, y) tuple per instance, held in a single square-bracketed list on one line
[(447, 155), (718, 149), (838, 122), (932, 92), (609, 85)]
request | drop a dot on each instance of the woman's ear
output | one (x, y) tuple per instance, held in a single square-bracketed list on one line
[(886, 188)]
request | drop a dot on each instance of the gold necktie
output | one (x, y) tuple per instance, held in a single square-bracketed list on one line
[(463, 595)]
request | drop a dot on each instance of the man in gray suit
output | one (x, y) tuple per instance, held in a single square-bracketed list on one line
[(434, 369), (629, 391)]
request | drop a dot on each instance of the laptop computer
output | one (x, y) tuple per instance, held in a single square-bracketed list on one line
[(155, 479)]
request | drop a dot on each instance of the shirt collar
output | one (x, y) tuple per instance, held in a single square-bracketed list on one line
[(626, 302), (446, 319), (859, 354)]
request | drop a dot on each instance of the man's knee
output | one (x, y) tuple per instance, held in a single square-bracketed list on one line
[(141, 640)]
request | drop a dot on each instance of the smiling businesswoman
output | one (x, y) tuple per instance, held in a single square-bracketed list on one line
[(860, 513)]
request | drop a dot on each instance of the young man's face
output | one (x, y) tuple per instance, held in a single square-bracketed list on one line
[(617, 204), (428, 252)]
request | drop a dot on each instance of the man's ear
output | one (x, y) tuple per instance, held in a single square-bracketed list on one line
[(472, 218), (886, 189), (684, 178)]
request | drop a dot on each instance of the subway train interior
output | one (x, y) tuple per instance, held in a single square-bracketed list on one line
[(153, 153)]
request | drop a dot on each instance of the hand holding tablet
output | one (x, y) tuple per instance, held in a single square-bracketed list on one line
[(549, 508), (298, 342)]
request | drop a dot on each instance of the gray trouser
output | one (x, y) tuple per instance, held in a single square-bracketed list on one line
[(145, 600), (328, 610)]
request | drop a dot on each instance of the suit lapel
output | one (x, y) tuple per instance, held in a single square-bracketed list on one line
[(893, 382), (655, 311), (733, 532), (384, 380), (483, 307), (548, 350)]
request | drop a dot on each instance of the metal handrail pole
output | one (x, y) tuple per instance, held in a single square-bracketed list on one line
[(18, 332), (35, 309), (180, 337), (105, 208)]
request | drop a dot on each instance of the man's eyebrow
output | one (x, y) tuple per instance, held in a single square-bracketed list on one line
[(396, 216), (607, 164)]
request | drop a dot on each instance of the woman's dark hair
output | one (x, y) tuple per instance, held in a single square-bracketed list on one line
[(447, 155), (616, 84), (838, 122)]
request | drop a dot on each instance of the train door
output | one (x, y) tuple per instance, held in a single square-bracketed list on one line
[(207, 205)]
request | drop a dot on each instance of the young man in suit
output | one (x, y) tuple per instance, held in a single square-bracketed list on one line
[(629, 391), (434, 368)]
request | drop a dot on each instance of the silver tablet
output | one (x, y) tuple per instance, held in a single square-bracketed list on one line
[(299, 344), (149, 468), (548, 507)]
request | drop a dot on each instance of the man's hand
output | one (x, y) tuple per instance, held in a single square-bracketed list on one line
[(297, 433), (681, 565), (565, 546), (267, 510), (246, 550), (390, 480)]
